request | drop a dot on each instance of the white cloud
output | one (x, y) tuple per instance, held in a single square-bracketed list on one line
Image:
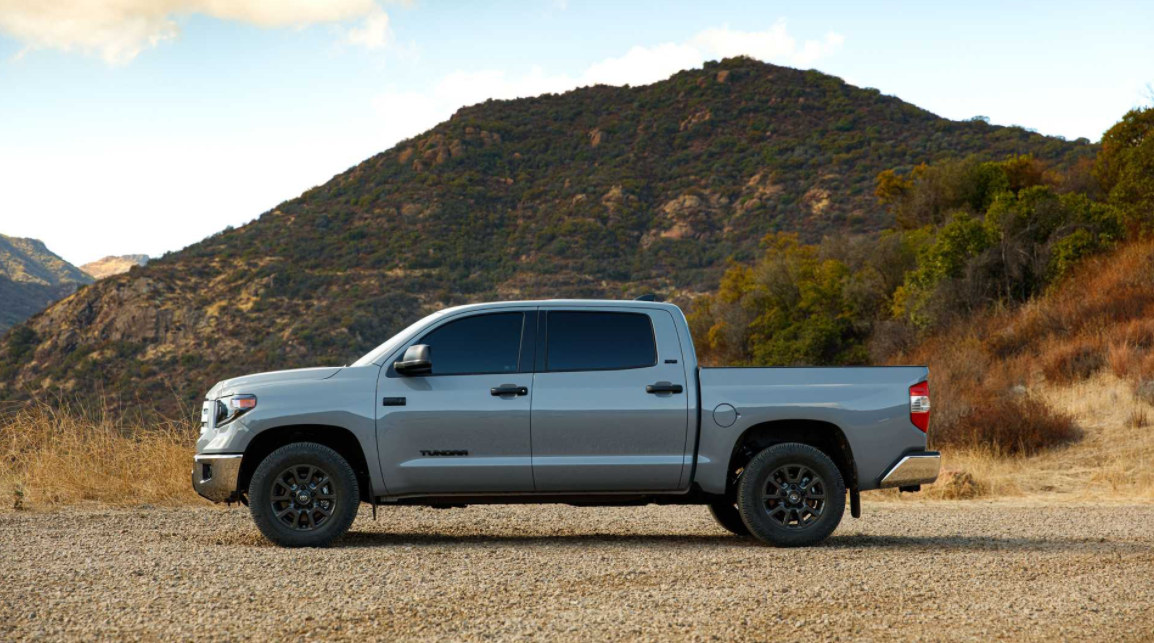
[(643, 65), (408, 113), (374, 32), (119, 30)]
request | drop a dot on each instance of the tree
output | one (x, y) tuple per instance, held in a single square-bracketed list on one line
[(1125, 167)]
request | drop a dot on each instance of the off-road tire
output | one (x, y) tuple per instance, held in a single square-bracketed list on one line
[(344, 491), (727, 515), (772, 517)]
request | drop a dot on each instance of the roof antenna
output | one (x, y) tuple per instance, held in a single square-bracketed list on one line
[(647, 297)]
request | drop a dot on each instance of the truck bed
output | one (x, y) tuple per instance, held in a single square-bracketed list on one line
[(869, 405)]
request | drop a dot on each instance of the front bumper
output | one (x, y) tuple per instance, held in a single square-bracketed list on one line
[(912, 469), (215, 476)]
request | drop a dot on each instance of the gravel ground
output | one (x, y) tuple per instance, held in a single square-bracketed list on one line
[(906, 571)]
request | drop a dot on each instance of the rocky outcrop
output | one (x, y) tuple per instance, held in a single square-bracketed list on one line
[(698, 117), (757, 192), (689, 216), (816, 199)]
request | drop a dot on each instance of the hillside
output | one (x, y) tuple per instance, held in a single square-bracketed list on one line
[(597, 192), (1072, 370), (31, 278), (113, 265)]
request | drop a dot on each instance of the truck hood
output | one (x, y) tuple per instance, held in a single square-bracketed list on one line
[(243, 383)]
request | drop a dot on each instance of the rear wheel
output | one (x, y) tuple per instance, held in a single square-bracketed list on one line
[(304, 495), (791, 495), (726, 515)]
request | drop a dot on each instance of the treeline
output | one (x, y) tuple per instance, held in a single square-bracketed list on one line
[(970, 234)]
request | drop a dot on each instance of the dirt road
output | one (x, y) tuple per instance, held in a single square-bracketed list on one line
[(904, 572)]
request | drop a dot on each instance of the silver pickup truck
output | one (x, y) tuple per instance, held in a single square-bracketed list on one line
[(590, 403)]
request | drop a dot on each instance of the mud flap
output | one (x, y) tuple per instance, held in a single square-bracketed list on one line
[(855, 502)]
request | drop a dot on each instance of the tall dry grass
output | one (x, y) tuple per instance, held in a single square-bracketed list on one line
[(64, 453)]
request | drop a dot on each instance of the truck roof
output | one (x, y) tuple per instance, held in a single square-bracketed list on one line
[(614, 303)]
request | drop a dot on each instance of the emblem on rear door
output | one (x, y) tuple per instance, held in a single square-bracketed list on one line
[(444, 453)]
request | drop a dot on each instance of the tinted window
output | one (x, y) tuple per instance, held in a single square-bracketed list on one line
[(480, 344), (580, 341)]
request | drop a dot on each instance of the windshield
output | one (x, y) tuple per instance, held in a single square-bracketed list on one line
[(394, 341)]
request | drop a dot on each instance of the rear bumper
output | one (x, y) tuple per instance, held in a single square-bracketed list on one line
[(917, 468), (215, 476)]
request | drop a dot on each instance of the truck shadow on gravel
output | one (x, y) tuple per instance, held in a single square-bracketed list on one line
[(698, 541)]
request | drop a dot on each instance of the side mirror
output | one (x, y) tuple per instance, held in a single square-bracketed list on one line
[(418, 360)]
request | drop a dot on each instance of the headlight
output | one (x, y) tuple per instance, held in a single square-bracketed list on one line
[(231, 408)]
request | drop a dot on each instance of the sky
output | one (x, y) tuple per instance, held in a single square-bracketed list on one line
[(142, 126)]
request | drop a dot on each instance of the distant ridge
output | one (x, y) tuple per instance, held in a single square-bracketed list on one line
[(113, 265), (31, 278)]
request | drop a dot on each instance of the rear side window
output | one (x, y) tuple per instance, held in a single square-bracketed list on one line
[(476, 345), (594, 341)]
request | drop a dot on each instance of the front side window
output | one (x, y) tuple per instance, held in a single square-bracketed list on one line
[(476, 345), (596, 341)]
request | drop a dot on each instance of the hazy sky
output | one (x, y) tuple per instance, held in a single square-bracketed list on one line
[(141, 126)]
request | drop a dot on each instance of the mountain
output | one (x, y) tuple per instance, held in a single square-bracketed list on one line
[(601, 191), (113, 265), (31, 278)]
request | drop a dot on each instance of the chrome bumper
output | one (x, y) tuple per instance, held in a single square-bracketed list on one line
[(913, 469), (215, 476)]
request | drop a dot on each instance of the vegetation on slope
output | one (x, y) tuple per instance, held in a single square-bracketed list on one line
[(968, 234), (597, 192)]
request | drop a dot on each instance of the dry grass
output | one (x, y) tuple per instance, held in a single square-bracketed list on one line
[(1041, 400), (67, 454), (982, 403)]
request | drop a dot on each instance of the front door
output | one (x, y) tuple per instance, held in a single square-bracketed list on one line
[(464, 427), (610, 402)]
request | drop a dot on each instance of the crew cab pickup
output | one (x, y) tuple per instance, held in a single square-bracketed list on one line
[(590, 403)]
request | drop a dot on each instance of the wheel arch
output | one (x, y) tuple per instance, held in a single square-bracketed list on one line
[(825, 436), (337, 438)]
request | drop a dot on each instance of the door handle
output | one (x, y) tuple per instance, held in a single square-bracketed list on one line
[(663, 387), (509, 389)]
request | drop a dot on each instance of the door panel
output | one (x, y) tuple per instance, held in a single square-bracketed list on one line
[(453, 434), (599, 430)]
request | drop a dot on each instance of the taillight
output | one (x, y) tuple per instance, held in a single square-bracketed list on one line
[(920, 405)]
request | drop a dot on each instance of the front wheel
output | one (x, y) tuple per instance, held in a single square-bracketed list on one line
[(791, 495), (304, 495)]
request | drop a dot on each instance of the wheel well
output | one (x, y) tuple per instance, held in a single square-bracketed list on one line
[(336, 438), (825, 436)]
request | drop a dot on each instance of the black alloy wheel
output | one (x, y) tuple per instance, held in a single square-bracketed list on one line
[(791, 495), (304, 495), (794, 496)]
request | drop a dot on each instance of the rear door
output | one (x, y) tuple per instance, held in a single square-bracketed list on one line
[(610, 402), (464, 428)]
